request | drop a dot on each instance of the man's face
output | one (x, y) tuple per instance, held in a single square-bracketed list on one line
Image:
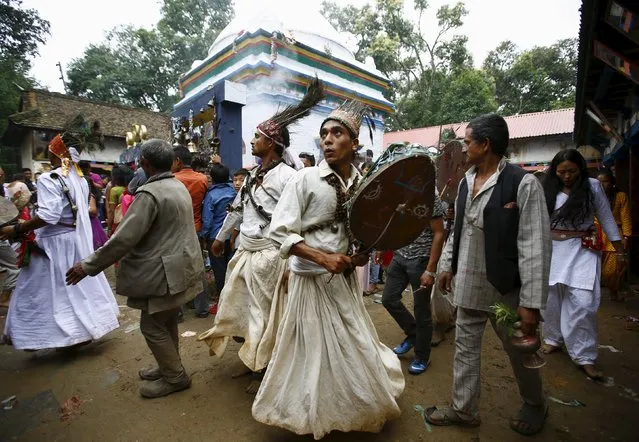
[(337, 144), (1, 176), (238, 180), (28, 175), (605, 182), (260, 145), (306, 162), (474, 150)]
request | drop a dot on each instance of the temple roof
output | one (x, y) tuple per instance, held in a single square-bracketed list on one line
[(303, 25)]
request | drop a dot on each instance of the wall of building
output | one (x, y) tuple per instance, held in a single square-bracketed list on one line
[(304, 135), (539, 149), (34, 150)]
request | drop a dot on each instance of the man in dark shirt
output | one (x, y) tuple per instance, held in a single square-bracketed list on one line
[(415, 264)]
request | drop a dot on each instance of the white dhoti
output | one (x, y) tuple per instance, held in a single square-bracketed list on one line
[(570, 318), (329, 370), (251, 303)]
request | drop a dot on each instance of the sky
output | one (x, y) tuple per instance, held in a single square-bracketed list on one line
[(77, 23)]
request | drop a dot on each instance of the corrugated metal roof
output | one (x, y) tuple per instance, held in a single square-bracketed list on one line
[(538, 124)]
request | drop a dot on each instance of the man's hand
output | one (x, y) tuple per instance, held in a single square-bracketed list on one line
[(529, 320), (217, 248), (7, 232), (446, 281), (216, 159), (427, 280), (75, 274), (359, 259), (337, 263)]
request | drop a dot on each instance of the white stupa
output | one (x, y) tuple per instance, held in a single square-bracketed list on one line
[(275, 54)]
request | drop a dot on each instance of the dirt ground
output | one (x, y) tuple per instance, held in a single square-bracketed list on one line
[(216, 408)]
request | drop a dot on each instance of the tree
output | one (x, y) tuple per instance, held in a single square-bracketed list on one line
[(141, 67), (21, 32), (534, 80), (418, 68), (470, 93)]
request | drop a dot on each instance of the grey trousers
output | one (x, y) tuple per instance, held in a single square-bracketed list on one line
[(419, 329), (161, 333), (471, 325), (8, 267)]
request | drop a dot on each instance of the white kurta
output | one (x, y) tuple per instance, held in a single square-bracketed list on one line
[(252, 301), (44, 311), (570, 316), (329, 370)]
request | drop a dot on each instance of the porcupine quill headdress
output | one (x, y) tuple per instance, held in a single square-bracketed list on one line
[(350, 114), (273, 127), (78, 135)]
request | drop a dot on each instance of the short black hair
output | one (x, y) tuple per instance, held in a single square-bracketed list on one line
[(84, 164), (241, 172), (26, 169), (17, 177), (491, 127), (182, 153), (310, 157), (369, 153), (219, 173), (159, 154)]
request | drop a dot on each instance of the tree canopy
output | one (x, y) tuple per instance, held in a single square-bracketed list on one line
[(21, 32), (435, 81), (141, 67)]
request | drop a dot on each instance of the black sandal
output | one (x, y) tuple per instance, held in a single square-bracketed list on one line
[(530, 420)]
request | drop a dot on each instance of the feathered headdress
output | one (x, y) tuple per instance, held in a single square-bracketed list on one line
[(350, 114), (78, 135), (273, 127)]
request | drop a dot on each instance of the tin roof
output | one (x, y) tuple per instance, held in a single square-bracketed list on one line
[(537, 124)]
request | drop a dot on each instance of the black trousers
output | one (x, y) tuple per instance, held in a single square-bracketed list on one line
[(418, 328)]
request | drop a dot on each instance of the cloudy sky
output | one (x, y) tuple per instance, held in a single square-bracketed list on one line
[(77, 23)]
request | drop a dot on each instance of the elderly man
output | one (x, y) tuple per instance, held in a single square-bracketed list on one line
[(161, 265), (500, 251)]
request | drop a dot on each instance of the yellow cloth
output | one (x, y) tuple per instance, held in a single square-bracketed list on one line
[(621, 213)]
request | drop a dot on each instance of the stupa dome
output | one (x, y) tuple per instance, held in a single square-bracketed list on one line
[(300, 23)]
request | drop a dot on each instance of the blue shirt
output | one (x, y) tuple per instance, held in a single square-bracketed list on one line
[(214, 207)]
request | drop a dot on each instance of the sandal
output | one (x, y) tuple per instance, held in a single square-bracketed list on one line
[(530, 420), (446, 416), (548, 349)]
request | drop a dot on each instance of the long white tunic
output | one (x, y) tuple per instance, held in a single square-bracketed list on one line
[(573, 265), (329, 370), (252, 301), (44, 311)]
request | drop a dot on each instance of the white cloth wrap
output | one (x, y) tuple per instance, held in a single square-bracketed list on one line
[(305, 267), (251, 303), (329, 370)]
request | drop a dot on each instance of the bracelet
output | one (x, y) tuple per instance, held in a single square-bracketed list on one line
[(431, 274)]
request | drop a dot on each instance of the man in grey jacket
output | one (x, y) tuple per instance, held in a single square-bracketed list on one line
[(160, 265)]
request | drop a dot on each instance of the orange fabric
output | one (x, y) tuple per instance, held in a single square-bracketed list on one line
[(58, 148), (621, 213), (197, 184)]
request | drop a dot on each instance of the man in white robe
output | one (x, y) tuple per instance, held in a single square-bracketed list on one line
[(329, 370), (252, 300), (44, 311)]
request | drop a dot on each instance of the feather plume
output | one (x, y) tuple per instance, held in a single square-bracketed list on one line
[(351, 114), (290, 114)]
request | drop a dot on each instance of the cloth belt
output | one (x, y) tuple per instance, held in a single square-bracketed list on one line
[(562, 235), (304, 267), (255, 244)]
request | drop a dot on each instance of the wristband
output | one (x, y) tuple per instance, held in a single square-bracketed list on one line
[(431, 274)]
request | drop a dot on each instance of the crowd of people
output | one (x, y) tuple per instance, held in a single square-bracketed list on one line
[(279, 244)]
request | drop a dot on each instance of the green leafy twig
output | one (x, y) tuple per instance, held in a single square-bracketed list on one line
[(505, 316)]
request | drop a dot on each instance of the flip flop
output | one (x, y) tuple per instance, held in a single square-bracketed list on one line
[(530, 420), (446, 416)]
